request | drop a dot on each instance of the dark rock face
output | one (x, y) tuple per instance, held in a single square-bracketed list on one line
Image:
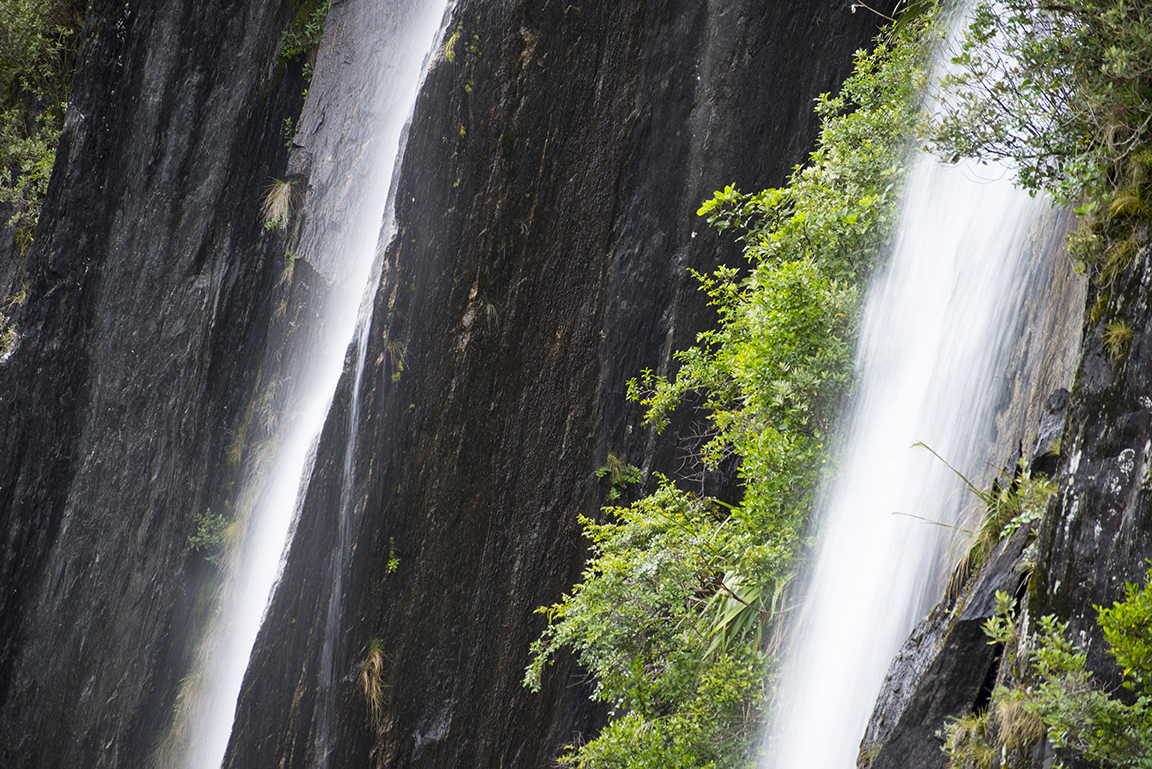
[(545, 221), (1099, 533), (150, 297)]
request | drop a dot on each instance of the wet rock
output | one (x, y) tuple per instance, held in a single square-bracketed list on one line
[(1046, 452), (546, 221), (150, 285), (946, 669)]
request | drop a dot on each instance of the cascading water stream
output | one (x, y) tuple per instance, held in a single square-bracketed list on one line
[(339, 561), (932, 346), (343, 248)]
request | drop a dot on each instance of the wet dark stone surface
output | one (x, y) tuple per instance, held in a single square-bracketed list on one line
[(150, 290), (546, 218), (1100, 535), (944, 670)]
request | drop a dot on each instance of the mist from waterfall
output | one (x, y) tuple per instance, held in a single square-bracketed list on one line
[(340, 242), (935, 330)]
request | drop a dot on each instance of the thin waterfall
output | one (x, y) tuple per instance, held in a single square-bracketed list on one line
[(339, 561), (355, 163), (936, 327)]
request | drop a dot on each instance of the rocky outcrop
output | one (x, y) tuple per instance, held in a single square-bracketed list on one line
[(945, 669), (150, 297), (545, 224), (1098, 535)]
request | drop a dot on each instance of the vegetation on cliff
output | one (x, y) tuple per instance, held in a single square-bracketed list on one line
[(683, 599), (38, 44), (1064, 91), (681, 606), (39, 40), (1055, 697)]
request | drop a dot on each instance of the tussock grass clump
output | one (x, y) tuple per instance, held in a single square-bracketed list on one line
[(969, 743), (277, 206), (1128, 202), (372, 680), (1019, 728), (1117, 259), (989, 738), (1116, 337)]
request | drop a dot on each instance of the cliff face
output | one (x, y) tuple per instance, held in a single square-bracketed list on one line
[(150, 298), (545, 221), (544, 224)]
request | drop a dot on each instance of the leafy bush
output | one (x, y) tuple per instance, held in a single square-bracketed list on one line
[(38, 44), (678, 611), (1060, 697), (306, 30), (1063, 89), (637, 622), (1079, 714), (211, 529), (619, 474)]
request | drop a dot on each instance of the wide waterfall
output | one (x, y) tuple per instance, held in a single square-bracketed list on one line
[(354, 154), (931, 352)]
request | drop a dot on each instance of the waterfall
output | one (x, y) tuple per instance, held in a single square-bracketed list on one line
[(352, 158), (932, 348), (339, 562)]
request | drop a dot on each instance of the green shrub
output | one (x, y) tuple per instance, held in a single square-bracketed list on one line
[(678, 612), (1063, 89), (1079, 714), (637, 621), (1061, 699), (306, 29), (211, 529), (38, 44)]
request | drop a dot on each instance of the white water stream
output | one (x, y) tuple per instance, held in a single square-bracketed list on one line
[(344, 249), (931, 349)]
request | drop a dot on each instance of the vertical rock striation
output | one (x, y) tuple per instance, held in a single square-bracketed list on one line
[(150, 300), (545, 221)]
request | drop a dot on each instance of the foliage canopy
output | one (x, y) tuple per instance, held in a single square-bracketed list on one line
[(39, 40), (1063, 89)]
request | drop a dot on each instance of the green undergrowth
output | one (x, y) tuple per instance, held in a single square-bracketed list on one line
[(1053, 695), (679, 611), (306, 29), (39, 40)]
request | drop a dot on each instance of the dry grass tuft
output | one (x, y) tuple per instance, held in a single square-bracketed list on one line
[(1116, 337), (1118, 258), (372, 681), (277, 206), (969, 744), (1128, 202), (1019, 727)]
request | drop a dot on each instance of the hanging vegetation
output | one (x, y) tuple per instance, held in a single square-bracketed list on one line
[(680, 609)]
